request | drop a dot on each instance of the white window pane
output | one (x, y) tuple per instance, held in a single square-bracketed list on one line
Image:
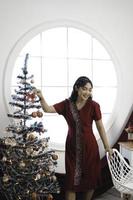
[(105, 97), (56, 128), (34, 67), (32, 47), (99, 52), (104, 73), (70, 90), (17, 70), (54, 42), (79, 43), (54, 72), (77, 68), (54, 94)]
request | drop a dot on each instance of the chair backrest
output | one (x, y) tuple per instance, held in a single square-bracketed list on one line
[(119, 168), (121, 172)]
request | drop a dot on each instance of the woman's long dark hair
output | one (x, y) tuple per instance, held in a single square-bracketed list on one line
[(80, 82)]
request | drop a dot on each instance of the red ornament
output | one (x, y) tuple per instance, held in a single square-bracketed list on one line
[(39, 114), (31, 97), (34, 114)]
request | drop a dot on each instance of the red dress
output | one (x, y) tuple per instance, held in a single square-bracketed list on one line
[(90, 153)]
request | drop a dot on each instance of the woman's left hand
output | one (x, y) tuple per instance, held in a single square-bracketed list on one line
[(110, 151)]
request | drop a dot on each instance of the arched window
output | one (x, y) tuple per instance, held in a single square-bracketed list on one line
[(58, 56)]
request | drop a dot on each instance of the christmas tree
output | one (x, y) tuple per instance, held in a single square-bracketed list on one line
[(27, 164)]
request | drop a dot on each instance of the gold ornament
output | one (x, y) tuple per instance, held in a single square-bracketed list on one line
[(47, 173), (51, 168), (44, 144), (34, 153), (22, 164), (29, 151), (10, 141), (54, 178), (18, 129), (50, 197), (4, 159), (34, 196), (32, 81), (38, 176), (5, 178), (31, 137), (9, 162), (54, 157)]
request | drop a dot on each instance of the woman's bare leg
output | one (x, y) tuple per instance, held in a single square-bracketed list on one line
[(88, 195), (70, 195)]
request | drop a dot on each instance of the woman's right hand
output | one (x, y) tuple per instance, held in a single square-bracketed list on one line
[(45, 106), (38, 92)]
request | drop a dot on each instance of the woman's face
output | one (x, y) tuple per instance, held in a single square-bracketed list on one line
[(84, 92)]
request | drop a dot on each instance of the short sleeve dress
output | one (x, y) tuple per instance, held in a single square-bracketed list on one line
[(90, 153)]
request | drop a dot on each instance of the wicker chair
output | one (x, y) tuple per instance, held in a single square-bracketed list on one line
[(121, 172)]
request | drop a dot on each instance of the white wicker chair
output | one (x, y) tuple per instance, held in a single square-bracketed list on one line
[(121, 172)]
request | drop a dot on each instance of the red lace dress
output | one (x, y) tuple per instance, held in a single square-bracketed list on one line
[(90, 165)]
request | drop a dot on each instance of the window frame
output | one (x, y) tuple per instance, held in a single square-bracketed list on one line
[(25, 38)]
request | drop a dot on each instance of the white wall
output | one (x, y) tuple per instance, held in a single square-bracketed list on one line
[(111, 19)]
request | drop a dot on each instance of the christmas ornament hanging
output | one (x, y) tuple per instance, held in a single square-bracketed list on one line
[(39, 114), (54, 157), (34, 196), (31, 137), (6, 178), (50, 197), (34, 114)]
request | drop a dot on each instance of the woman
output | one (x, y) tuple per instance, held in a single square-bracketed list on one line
[(82, 160)]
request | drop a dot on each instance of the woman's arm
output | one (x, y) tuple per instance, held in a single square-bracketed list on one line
[(102, 133), (45, 106)]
